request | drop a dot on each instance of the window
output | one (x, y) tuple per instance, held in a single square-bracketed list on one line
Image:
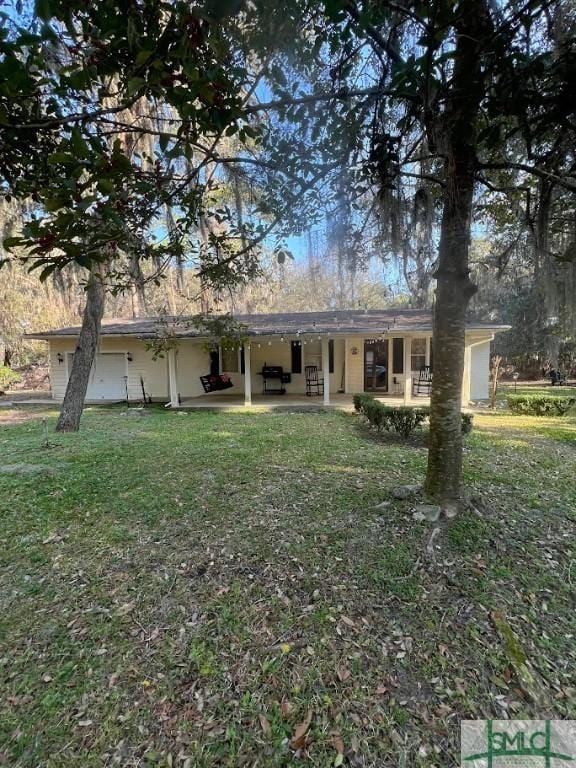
[(418, 354), (229, 360), (313, 353), (331, 356)]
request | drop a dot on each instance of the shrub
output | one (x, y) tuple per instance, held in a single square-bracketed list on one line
[(467, 423), (7, 378), (401, 419), (540, 405)]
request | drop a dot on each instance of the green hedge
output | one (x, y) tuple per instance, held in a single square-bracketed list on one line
[(7, 378), (540, 405), (401, 419)]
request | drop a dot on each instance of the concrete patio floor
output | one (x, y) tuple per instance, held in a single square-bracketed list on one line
[(286, 402)]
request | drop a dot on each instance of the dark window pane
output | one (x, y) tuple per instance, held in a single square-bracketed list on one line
[(214, 362), (331, 356), (296, 350)]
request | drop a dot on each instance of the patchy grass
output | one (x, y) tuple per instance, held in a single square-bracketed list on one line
[(536, 388), (186, 589)]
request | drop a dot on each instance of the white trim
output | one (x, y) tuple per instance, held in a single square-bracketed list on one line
[(485, 340), (407, 369), (326, 368), (467, 376), (173, 379)]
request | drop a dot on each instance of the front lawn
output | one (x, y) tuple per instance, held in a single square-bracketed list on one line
[(534, 388), (189, 589)]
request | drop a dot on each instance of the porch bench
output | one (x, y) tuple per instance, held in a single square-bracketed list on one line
[(212, 383)]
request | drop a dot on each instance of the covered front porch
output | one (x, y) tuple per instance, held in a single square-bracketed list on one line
[(277, 371)]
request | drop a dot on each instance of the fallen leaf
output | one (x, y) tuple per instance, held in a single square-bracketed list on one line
[(85, 723), (285, 706), (298, 739), (343, 674), (381, 690), (125, 609), (265, 724), (338, 745), (347, 621)]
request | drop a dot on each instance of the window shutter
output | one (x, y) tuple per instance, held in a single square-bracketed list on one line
[(296, 352), (397, 355), (242, 362), (331, 356)]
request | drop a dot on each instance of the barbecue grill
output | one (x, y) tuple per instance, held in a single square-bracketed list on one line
[(271, 374)]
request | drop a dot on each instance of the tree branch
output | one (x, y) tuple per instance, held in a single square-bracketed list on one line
[(540, 172), (340, 95)]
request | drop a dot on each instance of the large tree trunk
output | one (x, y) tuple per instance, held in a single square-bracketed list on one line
[(73, 404), (454, 289)]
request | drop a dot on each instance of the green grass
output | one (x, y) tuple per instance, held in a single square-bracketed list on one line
[(522, 388), (183, 589)]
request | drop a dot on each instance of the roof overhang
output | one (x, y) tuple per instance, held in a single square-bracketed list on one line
[(410, 330)]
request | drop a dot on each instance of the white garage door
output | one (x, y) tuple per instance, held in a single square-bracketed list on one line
[(106, 377)]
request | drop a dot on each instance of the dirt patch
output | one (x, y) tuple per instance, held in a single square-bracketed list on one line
[(13, 415)]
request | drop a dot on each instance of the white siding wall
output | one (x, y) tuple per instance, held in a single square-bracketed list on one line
[(154, 372), (192, 361), (480, 371)]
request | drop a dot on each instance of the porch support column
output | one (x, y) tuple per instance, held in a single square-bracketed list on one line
[(407, 370), (172, 379), (247, 376), (326, 368)]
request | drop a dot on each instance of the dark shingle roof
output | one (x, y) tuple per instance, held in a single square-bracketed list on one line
[(340, 321)]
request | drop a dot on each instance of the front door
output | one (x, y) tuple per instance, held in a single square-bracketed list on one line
[(376, 366)]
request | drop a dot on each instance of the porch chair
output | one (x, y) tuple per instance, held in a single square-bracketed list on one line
[(314, 385), (423, 384)]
